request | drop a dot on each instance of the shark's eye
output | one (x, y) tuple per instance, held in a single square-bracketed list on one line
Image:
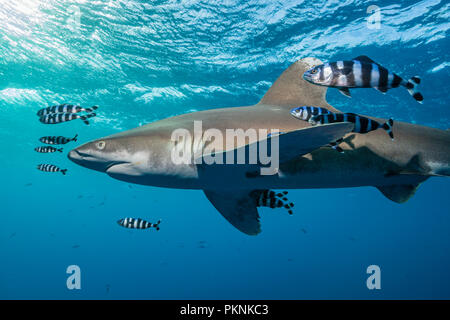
[(101, 145)]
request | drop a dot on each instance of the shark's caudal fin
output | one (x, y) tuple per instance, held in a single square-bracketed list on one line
[(290, 89)]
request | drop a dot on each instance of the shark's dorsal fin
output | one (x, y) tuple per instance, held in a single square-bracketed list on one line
[(291, 90), (399, 193)]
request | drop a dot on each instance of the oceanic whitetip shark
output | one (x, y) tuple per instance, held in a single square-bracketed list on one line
[(144, 155)]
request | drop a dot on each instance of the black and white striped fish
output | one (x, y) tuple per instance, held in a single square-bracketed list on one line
[(137, 223), (361, 72), (64, 117), (47, 149), (57, 139), (362, 124), (65, 108), (271, 199), (51, 168), (306, 112)]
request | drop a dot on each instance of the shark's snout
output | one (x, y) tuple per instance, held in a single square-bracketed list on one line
[(84, 158), (75, 156)]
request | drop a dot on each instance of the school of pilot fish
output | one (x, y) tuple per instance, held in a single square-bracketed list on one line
[(59, 114), (68, 112), (359, 72)]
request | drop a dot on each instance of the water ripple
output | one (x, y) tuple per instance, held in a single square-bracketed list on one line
[(166, 57)]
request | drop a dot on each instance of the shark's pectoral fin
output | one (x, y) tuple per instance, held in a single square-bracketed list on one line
[(399, 193), (295, 143), (238, 207), (286, 147), (306, 140)]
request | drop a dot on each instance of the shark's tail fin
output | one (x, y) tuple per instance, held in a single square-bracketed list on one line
[(63, 171), (411, 86), (75, 138), (156, 225), (388, 127)]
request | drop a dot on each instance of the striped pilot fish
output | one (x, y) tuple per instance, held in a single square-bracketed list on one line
[(64, 117), (51, 168), (362, 124), (137, 223), (57, 139), (47, 149), (271, 199), (361, 72), (306, 112), (65, 108)]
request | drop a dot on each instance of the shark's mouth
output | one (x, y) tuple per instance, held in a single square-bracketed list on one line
[(122, 168), (92, 162), (110, 167)]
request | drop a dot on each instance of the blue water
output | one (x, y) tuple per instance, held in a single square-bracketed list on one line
[(145, 61)]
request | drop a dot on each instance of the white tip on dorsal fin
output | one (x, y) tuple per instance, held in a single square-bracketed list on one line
[(290, 89)]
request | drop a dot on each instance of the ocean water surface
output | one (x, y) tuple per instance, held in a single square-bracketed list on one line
[(143, 61)]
